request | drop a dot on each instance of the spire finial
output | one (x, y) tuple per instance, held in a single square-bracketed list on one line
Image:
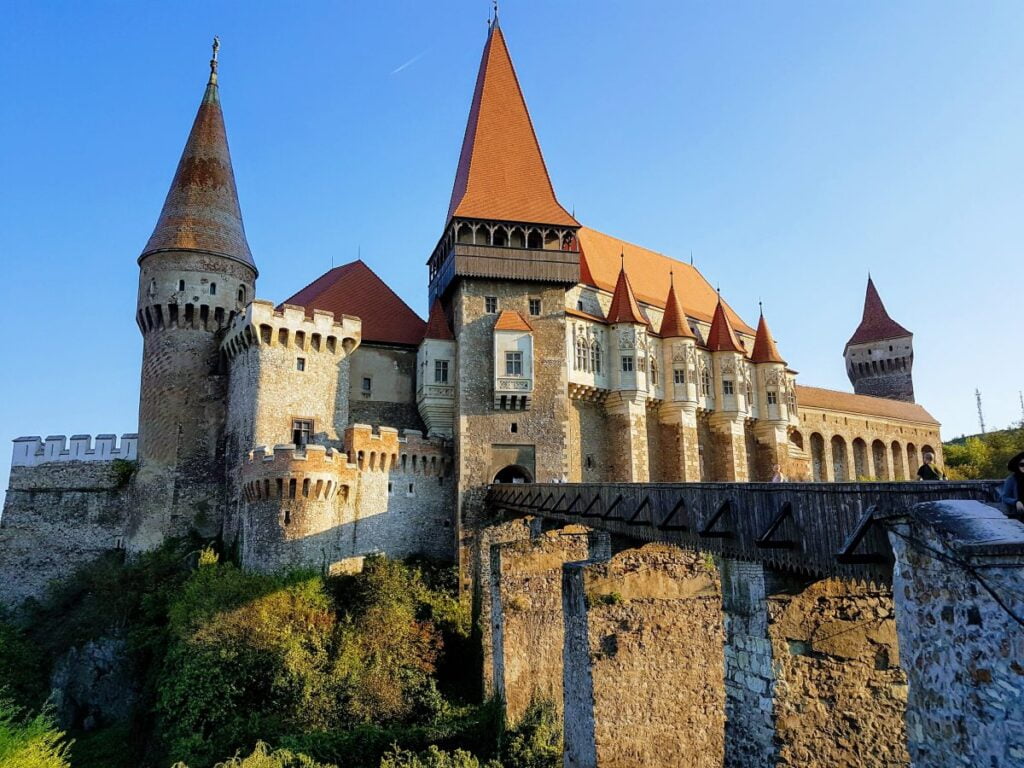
[(213, 60), (622, 258), (718, 290), (494, 16), (691, 257), (672, 278), (760, 306)]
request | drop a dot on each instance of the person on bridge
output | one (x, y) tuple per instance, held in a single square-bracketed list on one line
[(1013, 489), (777, 476), (929, 470)]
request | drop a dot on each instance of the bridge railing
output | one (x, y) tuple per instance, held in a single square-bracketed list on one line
[(818, 529)]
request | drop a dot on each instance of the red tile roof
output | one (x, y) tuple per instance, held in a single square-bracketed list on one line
[(501, 173), (881, 407), (649, 273), (437, 324), (673, 323), (721, 337), (765, 350), (511, 320), (201, 211), (876, 325), (355, 289), (624, 308)]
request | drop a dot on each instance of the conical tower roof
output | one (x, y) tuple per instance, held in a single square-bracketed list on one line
[(876, 325), (437, 324), (765, 350), (624, 308), (201, 212), (721, 337), (673, 323), (501, 173)]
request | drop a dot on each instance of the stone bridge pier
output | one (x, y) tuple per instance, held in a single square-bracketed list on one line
[(661, 655)]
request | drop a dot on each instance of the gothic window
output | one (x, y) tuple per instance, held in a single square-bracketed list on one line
[(513, 363), (791, 400), (581, 354), (627, 363), (302, 431), (727, 387), (750, 395), (705, 382), (595, 357), (535, 307), (679, 376), (773, 398), (440, 371), (241, 293), (491, 304)]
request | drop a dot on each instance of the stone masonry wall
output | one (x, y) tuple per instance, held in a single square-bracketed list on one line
[(960, 603), (57, 517), (643, 661), (526, 605)]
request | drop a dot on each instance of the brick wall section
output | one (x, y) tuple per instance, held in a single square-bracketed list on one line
[(627, 438), (57, 517), (527, 624), (840, 695), (963, 652), (588, 438), (643, 661)]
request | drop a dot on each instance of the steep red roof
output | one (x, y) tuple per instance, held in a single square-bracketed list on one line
[(673, 323), (765, 350), (501, 172), (437, 324), (624, 308), (876, 325), (721, 337), (355, 289), (511, 320), (882, 407), (201, 211)]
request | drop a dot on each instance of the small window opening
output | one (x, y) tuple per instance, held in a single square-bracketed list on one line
[(367, 385), (535, 307), (213, 289), (491, 304), (300, 363), (181, 285), (302, 431), (241, 293), (514, 427)]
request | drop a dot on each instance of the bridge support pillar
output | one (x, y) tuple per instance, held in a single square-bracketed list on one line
[(961, 644), (680, 453), (526, 614), (643, 660), (627, 428), (811, 672)]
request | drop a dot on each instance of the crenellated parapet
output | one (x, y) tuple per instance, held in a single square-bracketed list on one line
[(34, 450), (421, 455), (285, 473), (261, 324), (372, 451)]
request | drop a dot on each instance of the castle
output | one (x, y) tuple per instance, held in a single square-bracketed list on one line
[(339, 423)]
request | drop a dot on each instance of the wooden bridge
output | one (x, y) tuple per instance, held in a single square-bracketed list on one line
[(818, 529)]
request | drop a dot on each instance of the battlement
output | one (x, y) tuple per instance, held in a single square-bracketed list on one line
[(261, 324), (287, 472), (32, 451), (189, 315), (372, 451), (421, 455)]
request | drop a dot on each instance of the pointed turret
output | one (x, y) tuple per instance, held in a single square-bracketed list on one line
[(501, 173), (201, 212), (876, 325), (437, 324), (721, 336), (765, 350), (624, 308), (673, 323)]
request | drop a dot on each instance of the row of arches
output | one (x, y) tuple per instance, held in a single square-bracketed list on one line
[(879, 366), (841, 461), (284, 337)]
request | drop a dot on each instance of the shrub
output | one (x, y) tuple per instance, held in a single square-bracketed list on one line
[(433, 758), (23, 667), (536, 742), (30, 742), (263, 757)]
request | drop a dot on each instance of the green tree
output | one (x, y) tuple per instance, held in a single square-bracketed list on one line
[(536, 742), (30, 741)]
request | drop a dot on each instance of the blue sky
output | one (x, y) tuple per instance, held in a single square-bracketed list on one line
[(792, 147)]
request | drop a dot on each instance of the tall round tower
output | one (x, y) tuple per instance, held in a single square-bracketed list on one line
[(195, 274), (880, 354)]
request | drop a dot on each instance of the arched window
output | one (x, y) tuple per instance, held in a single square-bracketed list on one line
[(750, 394), (654, 371), (582, 354), (241, 293), (595, 356), (705, 381), (213, 289)]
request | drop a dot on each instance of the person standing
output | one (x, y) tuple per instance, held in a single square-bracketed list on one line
[(1012, 493), (929, 470), (777, 476)]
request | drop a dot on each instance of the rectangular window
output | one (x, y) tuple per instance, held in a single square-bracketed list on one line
[(300, 364), (535, 307), (579, 305), (513, 363), (302, 431), (411, 491), (773, 398), (627, 363), (213, 289), (440, 371), (367, 384), (727, 388), (679, 376), (491, 304)]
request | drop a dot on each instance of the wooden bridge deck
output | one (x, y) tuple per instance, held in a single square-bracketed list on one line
[(818, 529)]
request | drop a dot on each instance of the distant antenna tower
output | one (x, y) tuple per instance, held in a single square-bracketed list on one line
[(981, 417), (1020, 394)]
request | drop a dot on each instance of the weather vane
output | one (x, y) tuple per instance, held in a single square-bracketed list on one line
[(213, 61)]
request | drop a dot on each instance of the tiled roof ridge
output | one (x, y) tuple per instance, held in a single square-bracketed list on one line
[(876, 324), (673, 322), (437, 324), (765, 350), (868, 405), (721, 336), (624, 308), (548, 210), (201, 210)]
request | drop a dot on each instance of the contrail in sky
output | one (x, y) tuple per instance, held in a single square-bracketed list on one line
[(410, 62)]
